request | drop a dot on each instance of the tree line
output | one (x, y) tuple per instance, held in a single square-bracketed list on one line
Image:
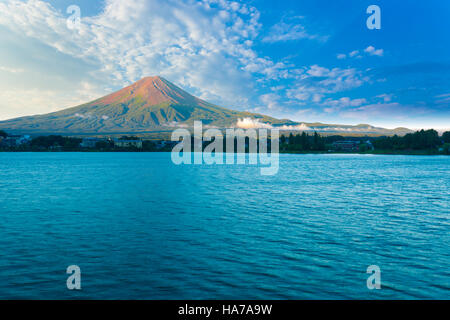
[(419, 140), (62, 143), (427, 140)]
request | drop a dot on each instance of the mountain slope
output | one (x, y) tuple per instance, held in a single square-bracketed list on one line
[(152, 103)]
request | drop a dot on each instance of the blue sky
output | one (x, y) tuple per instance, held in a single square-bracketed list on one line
[(309, 61)]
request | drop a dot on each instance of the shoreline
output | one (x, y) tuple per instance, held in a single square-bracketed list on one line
[(385, 153)]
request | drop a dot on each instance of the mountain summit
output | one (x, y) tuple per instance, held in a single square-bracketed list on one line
[(153, 91)]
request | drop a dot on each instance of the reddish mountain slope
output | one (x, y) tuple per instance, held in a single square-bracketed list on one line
[(150, 104)]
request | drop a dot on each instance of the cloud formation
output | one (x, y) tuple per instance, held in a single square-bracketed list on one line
[(374, 52), (289, 31), (205, 46), (249, 123), (370, 50), (318, 81)]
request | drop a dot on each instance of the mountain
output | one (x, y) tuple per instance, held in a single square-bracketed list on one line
[(154, 104), (150, 104)]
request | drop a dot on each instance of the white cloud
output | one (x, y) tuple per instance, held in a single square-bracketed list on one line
[(248, 123), (353, 53), (284, 31), (270, 100), (300, 127), (370, 50), (443, 99), (374, 52), (344, 102), (267, 68), (386, 97), (318, 81), (317, 71), (301, 93), (317, 97)]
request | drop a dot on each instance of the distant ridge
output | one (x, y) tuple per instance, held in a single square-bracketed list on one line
[(155, 104)]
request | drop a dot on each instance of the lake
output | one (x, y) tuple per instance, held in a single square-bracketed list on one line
[(140, 227)]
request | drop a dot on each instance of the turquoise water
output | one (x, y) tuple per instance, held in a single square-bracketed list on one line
[(140, 227)]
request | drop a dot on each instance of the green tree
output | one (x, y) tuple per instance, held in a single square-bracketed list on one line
[(419, 140), (446, 148), (318, 142), (446, 137), (48, 142), (304, 141), (148, 145), (129, 138), (102, 145)]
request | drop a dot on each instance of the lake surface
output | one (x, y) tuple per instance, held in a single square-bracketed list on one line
[(140, 227)]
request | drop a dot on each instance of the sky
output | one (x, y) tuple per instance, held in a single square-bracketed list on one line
[(308, 61)]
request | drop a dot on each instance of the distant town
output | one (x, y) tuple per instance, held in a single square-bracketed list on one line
[(426, 142)]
